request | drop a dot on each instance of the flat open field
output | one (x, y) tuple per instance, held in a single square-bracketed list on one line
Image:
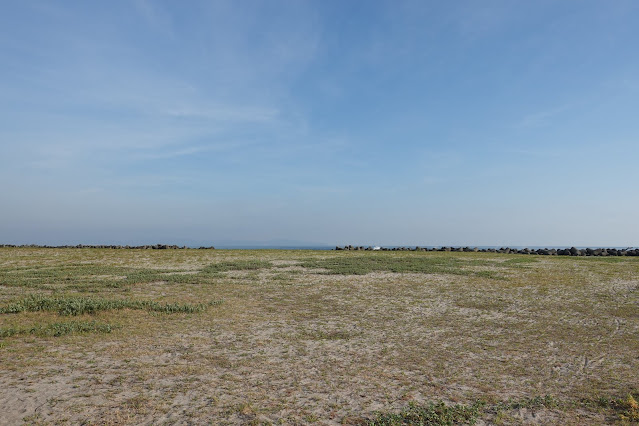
[(297, 337)]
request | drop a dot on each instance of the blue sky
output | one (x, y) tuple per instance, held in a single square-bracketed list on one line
[(363, 122)]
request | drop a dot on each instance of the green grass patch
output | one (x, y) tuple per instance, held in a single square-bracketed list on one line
[(625, 410), (361, 265), (437, 413), (525, 259), (89, 305), (57, 329), (546, 401), (78, 276), (237, 265)]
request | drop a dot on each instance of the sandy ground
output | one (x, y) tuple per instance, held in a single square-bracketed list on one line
[(294, 346)]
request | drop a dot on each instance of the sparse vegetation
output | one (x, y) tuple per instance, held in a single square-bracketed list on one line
[(237, 265), (382, 338), (403, 263), (57, 329), (88, 305), (434, 414), (626, 408), (328, 335)]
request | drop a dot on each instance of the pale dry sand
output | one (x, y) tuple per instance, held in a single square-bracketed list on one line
[(333, 349)]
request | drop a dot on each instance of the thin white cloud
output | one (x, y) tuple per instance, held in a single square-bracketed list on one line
[(433, 180), (227, 113), (187, 151), (155, 16), (541, 118), (537, 153), (479, 19)]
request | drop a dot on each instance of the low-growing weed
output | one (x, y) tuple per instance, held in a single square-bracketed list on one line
[(546, 401), (626, 408)]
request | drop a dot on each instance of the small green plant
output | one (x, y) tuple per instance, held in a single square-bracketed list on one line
[(546, 401), (311, 418), (627, 408), (631, 409)]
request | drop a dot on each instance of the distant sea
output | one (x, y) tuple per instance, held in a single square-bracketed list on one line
[(223, 247)]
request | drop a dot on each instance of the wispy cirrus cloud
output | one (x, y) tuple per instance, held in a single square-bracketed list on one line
[(155, 16), (542, 118), (189, 150), (226, 113)]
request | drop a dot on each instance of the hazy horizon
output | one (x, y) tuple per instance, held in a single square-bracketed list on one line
[(491, 123)]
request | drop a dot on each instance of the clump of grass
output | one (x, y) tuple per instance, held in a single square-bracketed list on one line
[(627, 408), (90, 305), (430, 414), (57, 329), (630, 409), (237, 265)]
